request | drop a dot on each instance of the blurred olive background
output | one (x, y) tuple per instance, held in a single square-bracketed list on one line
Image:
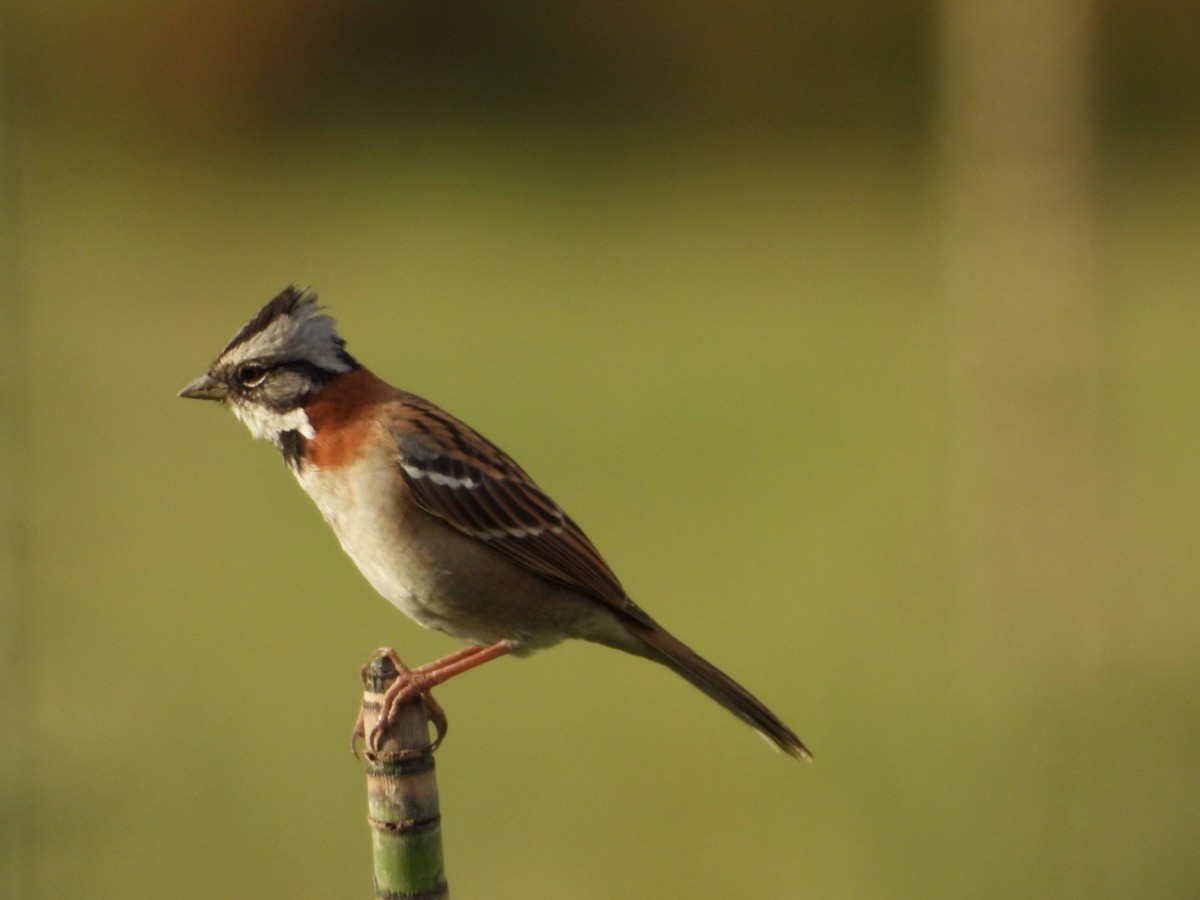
[(861, 338)]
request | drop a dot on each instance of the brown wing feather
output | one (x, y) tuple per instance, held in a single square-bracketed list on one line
[(468, 482)]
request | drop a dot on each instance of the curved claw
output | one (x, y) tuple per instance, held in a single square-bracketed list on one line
[(409, 683), (433, 709), (358, 732), (437, 716)]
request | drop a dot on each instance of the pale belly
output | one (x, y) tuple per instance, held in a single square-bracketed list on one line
[(442, 579), (360, 506)]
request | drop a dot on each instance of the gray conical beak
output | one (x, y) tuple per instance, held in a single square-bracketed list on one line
[(205, 388)]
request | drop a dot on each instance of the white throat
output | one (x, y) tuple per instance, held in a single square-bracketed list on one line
[(267, 425)]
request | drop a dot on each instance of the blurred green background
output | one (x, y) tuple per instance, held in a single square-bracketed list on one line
[(860, 337)]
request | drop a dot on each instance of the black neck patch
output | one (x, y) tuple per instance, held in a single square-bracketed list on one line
[(292, 445)]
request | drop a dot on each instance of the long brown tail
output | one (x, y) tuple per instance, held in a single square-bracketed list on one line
[(670, 651)]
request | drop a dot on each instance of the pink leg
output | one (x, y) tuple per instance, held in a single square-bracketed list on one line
[(461, 653), (424, 678)]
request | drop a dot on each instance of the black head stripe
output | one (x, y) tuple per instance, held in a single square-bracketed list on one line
[(282, 304)]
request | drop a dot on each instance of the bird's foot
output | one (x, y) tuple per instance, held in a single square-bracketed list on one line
[(419, 681), (407, 684)]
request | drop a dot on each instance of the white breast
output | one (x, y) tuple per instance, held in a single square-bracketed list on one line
[(359, 502)]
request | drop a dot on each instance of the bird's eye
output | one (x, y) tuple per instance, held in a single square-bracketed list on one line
[(251, 375)]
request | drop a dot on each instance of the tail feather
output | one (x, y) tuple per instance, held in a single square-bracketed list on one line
[(669, 650)]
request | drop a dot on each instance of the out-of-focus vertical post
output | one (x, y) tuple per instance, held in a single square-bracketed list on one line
[(16, 736), (1017, 142), (1024, 376)]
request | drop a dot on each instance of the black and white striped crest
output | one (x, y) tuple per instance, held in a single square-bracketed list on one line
[(290, 328)]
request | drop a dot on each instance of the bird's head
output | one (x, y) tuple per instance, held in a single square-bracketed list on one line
[(274, 364)]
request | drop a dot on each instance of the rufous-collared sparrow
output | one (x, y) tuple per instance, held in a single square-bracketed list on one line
[(441, 522)]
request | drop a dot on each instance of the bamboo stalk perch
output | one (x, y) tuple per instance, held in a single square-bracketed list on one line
[(402, 797)]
